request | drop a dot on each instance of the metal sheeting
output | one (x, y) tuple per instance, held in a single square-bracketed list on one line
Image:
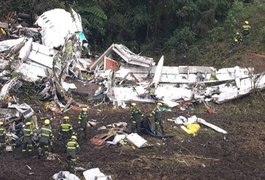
[(58, 25)]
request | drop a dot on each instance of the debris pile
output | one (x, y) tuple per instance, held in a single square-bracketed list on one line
[(191, 124), (60, 63)]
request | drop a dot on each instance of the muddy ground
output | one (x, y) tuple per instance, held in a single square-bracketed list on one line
[(208, 155)]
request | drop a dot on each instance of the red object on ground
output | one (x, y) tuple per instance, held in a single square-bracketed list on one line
[(210, 111)]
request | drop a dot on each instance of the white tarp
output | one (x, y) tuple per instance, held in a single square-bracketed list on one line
[(95, 174)]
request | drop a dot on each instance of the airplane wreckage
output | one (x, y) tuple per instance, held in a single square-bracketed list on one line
[(57, 59)]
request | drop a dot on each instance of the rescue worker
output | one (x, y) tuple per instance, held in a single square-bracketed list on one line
[(2, 134), (245, 29), (136, 118), (72, 148), (82, 121), (235, 40), (66, 130), (3, 34), (46, 137), (157, 114), (152, 92), (238, 36), (27, 140)]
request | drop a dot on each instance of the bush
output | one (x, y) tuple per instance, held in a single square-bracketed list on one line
[(193, 53), (217, 34), (234, 14), (262, 32), (181, 39)]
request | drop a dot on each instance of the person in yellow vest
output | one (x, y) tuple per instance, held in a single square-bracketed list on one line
[(157, 114), (46, 138), (238, 36), (72, 148), (3, 34), (136, 118), (27, 140), (82, 121), (245, 30), (2, 134), (66, 130)]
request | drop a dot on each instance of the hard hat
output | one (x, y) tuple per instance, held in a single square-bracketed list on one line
[(84, 109), (74, 137), (66, 117), (246, 22), (237, 33), (1, 122), (46, 121), (28, 123), (133, 104), (159, 104)]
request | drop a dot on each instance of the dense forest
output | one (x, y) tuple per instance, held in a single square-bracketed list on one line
[(172, 27)]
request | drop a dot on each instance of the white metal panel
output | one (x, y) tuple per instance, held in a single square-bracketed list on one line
[(41, 59), (32, 72), (58, 25)]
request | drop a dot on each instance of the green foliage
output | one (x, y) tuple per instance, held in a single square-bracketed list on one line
[(93, 17), (162, 26), (187, 13), (233, 18), (205, 5), (217, 34), (222, 8), (262, 32), (181, 39), (193, 53), (31, 7)]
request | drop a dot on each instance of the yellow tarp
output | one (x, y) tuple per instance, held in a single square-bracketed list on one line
[(191, 128)]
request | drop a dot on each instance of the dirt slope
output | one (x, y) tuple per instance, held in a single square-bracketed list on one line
[(208, 155)]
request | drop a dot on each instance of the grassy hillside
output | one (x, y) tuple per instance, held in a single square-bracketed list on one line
[(216, 50), (218, 53)]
